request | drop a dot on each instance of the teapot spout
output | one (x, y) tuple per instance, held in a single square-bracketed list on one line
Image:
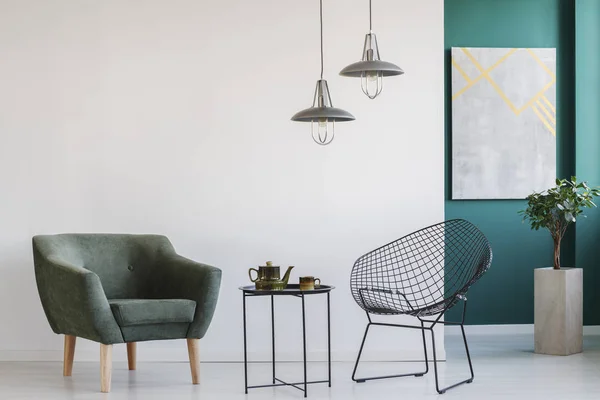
[(286, 277)]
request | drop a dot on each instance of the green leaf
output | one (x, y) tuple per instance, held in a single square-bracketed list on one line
[(569, 217), (558, 205)]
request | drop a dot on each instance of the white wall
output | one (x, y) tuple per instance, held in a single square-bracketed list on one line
[(173, 117)]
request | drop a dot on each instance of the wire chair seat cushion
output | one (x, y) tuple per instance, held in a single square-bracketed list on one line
[(423, 273)]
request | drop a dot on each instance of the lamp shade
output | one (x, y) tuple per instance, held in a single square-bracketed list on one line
[(322, 108), (357, 69), (371, 62)]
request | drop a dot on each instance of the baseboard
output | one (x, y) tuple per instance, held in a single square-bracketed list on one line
[(179, 354), (524, 329)]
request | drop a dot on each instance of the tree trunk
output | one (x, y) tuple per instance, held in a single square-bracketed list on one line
[(557, 253)]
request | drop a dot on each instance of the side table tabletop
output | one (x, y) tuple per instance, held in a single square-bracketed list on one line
[(290, 290)]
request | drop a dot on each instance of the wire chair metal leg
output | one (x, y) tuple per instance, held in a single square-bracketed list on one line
[(360, 353), (437, 385), (424, 351), (361, 380), (462, 328)]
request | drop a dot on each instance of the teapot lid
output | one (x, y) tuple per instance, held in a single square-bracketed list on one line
[(270, 264)]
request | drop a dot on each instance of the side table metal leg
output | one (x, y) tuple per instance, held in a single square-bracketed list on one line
[(245, 349), (304, 343), (273, 333), (329, 338)]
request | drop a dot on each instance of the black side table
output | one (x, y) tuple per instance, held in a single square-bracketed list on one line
[(291, 290)]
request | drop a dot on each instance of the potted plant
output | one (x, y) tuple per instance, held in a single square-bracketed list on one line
[(558, 292)]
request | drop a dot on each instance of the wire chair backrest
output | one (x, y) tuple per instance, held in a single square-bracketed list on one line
[(426, 270)]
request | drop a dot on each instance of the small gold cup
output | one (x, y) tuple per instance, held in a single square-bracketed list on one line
[(309, 283)]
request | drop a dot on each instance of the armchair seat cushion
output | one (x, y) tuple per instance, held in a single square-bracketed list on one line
[(131, 312)]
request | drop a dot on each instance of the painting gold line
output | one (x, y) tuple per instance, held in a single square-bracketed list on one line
[(490, 80), (461, 71), (480, 77), (541, 63), (534, 98), (548, 114), (541, 117), (550, 105)]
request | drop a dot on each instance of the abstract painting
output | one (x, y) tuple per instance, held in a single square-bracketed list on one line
[(503, 122)]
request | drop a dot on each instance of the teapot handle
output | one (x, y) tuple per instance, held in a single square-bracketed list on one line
[(250, 274)]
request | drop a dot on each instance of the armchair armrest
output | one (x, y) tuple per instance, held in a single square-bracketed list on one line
[(74, 301), (184, 278)]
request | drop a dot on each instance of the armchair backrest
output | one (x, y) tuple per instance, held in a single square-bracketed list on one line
[(124, 263)]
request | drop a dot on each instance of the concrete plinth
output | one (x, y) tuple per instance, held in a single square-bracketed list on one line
[(558, 311)]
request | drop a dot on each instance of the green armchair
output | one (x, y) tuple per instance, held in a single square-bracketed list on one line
[(113, 288)]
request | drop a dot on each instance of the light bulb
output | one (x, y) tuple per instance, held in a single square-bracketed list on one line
[(371, 83), (323, 132)]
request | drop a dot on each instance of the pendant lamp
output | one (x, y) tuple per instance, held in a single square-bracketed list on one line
[(371, 69), (322, 115)]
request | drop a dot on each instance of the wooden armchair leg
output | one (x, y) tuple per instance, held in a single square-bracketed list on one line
[(69, 354), (131, 355), (105, 367), (193, 347)]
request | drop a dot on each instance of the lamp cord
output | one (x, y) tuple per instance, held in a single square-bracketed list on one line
[(321, 15), (370, 17)]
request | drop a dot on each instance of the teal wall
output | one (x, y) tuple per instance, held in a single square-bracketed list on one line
[(505, 294), (587, 101)]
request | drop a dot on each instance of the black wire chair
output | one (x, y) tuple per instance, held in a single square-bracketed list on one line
[(422, 274)]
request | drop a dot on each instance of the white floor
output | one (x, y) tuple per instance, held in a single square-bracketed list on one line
[(505, 368)]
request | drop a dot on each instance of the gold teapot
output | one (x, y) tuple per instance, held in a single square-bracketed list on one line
[(268, 278)]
